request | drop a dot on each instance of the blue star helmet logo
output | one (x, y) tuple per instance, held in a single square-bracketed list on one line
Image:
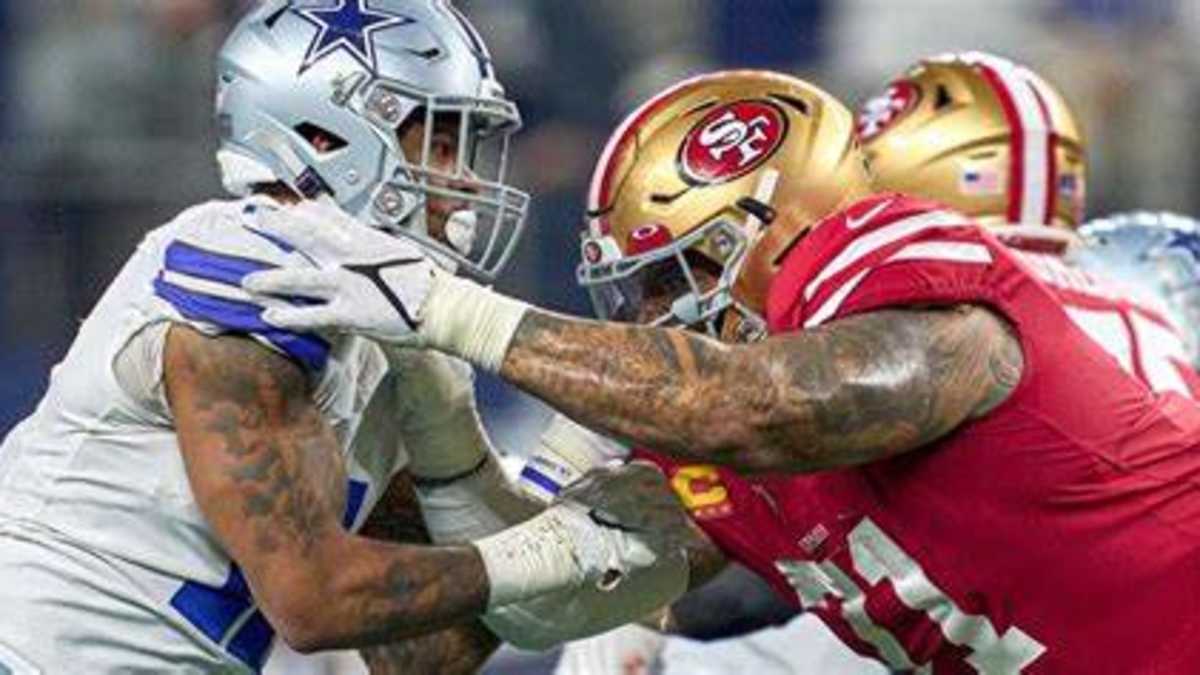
[(1186, 242), (350, 25)]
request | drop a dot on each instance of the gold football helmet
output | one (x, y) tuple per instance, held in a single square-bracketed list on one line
[(724, 171), (983, 135)]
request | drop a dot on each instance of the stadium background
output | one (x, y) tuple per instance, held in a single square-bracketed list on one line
[(105, 126)]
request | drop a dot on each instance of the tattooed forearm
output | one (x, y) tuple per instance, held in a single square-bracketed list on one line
[(850, 392), (267, 473), (454, 651), (393, 592), (458, 649)]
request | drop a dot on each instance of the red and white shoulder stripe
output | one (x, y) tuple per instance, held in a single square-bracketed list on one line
[(1080, 287), (874, 235)]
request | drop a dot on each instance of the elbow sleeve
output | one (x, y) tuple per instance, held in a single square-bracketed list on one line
[(473, 506)]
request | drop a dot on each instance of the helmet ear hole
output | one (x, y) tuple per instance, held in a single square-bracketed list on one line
[(942, 97), (322, 140)]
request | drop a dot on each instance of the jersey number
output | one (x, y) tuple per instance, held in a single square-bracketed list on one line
[(877, 557)]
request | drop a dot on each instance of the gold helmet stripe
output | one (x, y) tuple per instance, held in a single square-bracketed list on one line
[(1033, 173)]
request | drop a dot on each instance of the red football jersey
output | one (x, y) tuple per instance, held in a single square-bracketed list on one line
[(1133, 329), (1058, 534)]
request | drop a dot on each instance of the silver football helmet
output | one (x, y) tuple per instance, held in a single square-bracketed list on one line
[(355, 73), (1154, 254)]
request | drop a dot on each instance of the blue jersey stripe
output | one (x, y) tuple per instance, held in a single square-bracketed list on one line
[(540, 479), (356, 492), (309, 349), (216, 610), (185, 258), (252, 643), (213, 610)]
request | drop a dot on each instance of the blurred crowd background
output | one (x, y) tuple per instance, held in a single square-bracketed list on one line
[(106, 132)]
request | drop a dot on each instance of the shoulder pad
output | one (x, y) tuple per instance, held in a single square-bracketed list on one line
[(208, 253)]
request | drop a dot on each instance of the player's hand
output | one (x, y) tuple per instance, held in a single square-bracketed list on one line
[(560, 548), (365, 281), (605, 550), (633, 498)]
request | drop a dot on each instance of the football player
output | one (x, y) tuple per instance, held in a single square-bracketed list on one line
[(993, 140), (195, 480), (925, 450), (1156, 256)]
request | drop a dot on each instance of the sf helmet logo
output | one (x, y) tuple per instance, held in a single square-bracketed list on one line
[(882, 111), (731, 141)]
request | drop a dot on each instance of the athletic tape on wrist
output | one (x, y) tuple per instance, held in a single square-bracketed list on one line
[(528, 560), (470, 321)]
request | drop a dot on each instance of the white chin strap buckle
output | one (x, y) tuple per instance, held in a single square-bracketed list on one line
[(461, 230), (686, 309)]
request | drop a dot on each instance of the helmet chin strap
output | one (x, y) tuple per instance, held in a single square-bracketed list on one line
[(686, 309), (694, 308)]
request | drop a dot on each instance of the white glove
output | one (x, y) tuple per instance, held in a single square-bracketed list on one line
[(366, 281), (562, 547), (382, 286), (610, 526)]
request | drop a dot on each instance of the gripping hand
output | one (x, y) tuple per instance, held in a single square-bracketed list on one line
[(363, 280)]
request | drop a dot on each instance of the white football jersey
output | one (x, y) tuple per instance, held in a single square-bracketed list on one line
[(105, 557)]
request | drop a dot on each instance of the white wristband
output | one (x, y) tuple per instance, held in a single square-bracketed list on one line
[(530, 559), (470, 321)]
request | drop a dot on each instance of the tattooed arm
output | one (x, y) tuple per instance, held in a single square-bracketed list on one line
[(464, 648), (266, 472), (853, 391), (460, 649)]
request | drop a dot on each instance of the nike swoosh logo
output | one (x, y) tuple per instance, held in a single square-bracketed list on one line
[(855, 223), (375, 274)]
